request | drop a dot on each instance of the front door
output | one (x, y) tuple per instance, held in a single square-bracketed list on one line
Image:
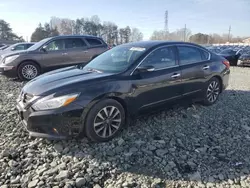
[(55, 54), (161, 84), (195, 66)]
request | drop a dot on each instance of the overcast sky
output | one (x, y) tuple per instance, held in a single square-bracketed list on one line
[(207, 16)]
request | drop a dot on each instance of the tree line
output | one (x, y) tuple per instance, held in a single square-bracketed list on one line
[(185, 34), (109, 31)]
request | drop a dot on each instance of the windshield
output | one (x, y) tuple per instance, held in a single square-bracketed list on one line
[(38, 44), (115, 60)]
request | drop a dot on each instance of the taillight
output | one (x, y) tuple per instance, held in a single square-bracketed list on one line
[(226, 63)]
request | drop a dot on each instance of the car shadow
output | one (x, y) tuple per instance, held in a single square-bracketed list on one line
[(184, 142)]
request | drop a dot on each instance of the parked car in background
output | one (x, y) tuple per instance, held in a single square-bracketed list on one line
[(51, 53), (17, 47), (244, 59), (231, 55), (3, 47), (97, 99)]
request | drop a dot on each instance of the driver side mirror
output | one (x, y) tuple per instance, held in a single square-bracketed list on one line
[(12, 49), (148, 68)]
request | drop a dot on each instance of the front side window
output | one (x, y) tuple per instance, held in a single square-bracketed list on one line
[(74, 43), (160, 58), (55, 45), (189, 55), (116, 60), (93, 42)]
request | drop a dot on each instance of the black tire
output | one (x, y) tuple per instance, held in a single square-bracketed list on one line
[(28, 65), (214, 85), (92, 118)]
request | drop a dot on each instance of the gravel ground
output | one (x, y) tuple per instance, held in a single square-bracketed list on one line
[(186, 146)]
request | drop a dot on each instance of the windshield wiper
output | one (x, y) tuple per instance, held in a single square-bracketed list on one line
[(94, 70)]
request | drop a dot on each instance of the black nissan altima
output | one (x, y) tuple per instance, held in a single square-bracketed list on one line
[(97, 99)]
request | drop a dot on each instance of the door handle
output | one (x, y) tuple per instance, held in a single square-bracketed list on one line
[(205, 67), (65, 53), (175, 75), (85, 51)]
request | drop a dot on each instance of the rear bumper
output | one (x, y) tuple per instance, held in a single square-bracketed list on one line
[(9, 71), (53, 124)]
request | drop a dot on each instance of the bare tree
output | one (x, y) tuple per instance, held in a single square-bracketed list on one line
[(136, 35)]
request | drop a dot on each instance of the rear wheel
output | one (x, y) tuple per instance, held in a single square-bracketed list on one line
[(212, 91), (104, 120), (28, 70)]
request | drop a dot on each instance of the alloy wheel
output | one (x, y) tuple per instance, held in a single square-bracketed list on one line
[(213, 91), (29, 72), (107, 121)]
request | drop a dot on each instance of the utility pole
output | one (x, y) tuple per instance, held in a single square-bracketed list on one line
[(185, 28), (229, 31)]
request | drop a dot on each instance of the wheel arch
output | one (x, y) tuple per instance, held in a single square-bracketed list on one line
[(30, 60), (220, 80), (115, 96)]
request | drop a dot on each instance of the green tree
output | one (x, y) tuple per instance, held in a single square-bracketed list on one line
[(43, 32), (6, 32)]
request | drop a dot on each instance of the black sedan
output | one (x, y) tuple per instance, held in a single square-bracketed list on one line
[(231, 55), (98, 99)]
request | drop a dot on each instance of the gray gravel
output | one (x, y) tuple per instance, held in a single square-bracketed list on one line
[(186, 146)]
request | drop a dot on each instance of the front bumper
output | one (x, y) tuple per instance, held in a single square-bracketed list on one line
[(54, 124), (9, 71)]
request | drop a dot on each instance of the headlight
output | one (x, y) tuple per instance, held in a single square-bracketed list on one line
[(10, 59), (52, 103)]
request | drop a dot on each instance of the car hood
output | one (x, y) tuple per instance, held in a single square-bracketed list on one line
[(61, 80), (11, 53)]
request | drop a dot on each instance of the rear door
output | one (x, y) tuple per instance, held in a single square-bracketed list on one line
[(76, 51), (160, 85), (195, 66)]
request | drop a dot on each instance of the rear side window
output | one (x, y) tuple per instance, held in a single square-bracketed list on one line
[(93, 42), (29, 45), (189, 55), (74, 43), (205, 55)]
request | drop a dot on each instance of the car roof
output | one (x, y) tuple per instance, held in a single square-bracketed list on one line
[(152, 43), (73, 36), (24, 43)]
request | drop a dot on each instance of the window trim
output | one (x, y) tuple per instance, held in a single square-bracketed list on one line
[(176, 60), (192, 46)]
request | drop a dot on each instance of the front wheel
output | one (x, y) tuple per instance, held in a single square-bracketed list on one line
[(212, 91), (104, 120), (28, 70)]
